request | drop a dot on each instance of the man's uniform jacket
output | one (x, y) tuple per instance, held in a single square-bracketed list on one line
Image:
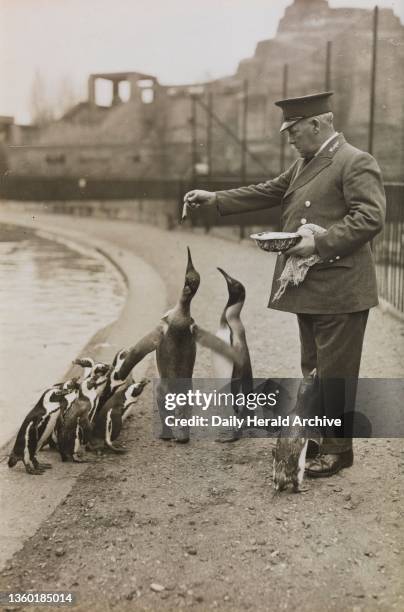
[(341, 190)]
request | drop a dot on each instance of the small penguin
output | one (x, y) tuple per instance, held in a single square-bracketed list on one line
[(38, 425), (72, 383), (289, 455), (93, 384), (74, 427), (131, 397), (47, 426), (174, 341), (114, 382), (109, 420), (87, 363)]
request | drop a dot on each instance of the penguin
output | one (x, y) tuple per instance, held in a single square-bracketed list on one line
[(94, 390), (93, 370), (109, 420), (38, 425), (289, 455), (114, 382), (131, 397), (87, 363), (174, 341), (74, 427), (231, 331), (47, 426), (52, 439)]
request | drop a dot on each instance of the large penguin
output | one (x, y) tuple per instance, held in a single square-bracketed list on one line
[(38, 426), (174, 340), (231, 330), (109, 420), (236, 376)]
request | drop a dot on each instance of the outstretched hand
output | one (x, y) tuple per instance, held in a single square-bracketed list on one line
[(198, 197)]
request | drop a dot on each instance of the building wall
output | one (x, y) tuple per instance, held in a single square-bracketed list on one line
[(135, 139)]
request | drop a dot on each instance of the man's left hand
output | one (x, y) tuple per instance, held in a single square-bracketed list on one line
[(304, 248)]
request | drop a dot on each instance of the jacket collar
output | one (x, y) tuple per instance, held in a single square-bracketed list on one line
[(316, 165)]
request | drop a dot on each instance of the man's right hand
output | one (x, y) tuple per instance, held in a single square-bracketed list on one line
[(198, 197)]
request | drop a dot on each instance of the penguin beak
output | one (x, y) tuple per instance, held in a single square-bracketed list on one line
[(190, 265), (229, 279), (84, 363), (192, 278)]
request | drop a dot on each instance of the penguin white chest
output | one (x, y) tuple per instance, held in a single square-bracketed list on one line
[(49, 427)]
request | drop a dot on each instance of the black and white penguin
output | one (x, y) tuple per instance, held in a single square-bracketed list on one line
[(114, 381), (109, 420), (174, 341), (74, 426), (231, 331), (235, 377), (131, 397), (87, 363), (97, 383), (68, 384), (46, 429), (39, 424)]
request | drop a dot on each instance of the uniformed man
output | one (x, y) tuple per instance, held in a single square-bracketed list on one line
[(338, 187)]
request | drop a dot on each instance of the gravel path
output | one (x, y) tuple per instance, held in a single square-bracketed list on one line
[(169, 527)]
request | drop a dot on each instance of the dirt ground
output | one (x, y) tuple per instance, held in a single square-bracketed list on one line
[(197, 526)]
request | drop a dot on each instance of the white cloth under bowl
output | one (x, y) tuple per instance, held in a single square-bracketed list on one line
[(296, 268)]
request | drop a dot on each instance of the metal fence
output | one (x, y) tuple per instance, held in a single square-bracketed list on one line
[(388, 249)]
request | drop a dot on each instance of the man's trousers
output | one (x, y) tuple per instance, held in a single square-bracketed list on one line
[(332, 344)]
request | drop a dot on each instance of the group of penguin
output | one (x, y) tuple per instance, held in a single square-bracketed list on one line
[(86, 412), (90, 412)]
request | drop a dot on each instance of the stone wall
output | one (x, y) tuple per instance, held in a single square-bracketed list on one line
[(138, 140)]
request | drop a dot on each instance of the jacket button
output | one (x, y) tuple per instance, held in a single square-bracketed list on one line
[(331, 261), (307, 204), (303, 221), (338, 257)]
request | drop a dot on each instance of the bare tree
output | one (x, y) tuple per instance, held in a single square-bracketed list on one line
[(42, 111), (66, 97)]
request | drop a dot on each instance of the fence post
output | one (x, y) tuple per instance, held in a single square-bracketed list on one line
[(373, 79), (284, 95), (194, 153), (209, 134), (328, 66), (244, 137)]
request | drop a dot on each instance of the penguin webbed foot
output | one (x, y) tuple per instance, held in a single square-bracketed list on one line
[(80, 459), (167, 437), (117, 448), (32, 471), (42, 466)]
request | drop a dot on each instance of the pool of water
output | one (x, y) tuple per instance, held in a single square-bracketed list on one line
[(53, 297)]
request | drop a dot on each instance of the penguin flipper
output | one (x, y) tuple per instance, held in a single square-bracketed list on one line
[(208, 340), (142, 348)]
